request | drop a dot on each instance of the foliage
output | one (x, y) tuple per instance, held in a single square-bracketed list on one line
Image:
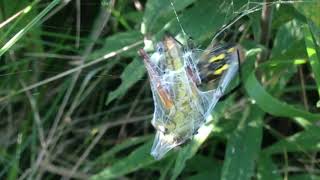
[(75, 101)]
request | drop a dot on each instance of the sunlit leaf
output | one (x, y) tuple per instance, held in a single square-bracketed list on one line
[(314, 60)]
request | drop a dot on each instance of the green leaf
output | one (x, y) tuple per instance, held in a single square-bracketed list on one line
[(190, 149), (267, 169), (132, 74), (118, 41), (138, 159), (272, 105), (315, 30), (284, 14), (243, 146), (214, 14), (106, 156), (160, 17), (310, 10), (304, 177), (288, 42), (207, 169), (205, 175), (312, 54), (307, 140), (157, 13), (29, 26)]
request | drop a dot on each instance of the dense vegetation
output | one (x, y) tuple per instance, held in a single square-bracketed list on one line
[(75, 101)]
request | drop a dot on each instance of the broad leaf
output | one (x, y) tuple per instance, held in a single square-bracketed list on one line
[(307, 140), (243, 147), (314, 59), (267, 169), (132, 73), (138, 159), (272, 105)]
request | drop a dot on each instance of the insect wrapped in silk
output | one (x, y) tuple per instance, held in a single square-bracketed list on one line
[(177, 75)]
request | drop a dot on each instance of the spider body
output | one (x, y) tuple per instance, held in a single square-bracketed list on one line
[(175, 77)]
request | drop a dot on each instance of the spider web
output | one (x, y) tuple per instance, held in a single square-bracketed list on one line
[(180, 106), (191, 106)]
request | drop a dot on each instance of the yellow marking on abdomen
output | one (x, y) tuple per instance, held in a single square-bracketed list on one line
[(220, 70), (217, 58), (231, 50)]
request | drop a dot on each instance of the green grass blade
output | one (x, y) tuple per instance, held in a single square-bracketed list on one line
[(304, 177), (267, 169), (209, 168), (138, 159), (17, 20), (23, 31), (105, 157), (272, 105), (307, 140), (190, 150), (312, 54), (132, 73)]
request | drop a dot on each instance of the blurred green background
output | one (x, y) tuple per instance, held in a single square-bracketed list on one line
[(75, 101)]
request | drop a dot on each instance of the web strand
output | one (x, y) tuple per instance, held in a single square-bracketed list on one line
[(178, 20)]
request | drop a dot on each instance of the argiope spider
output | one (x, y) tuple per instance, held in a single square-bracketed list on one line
[(177, 77)]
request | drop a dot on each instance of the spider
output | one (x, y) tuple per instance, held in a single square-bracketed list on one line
[(177, 76)]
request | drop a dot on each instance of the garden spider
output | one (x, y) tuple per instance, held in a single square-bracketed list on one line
[(177, 77)]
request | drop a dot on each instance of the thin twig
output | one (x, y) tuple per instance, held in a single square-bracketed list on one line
[(51, 55), (37, 119), (63, 171), (102, 131), (36, 115), (266, 19), (101, 22), (56, 10), (303, 89), (78, 23), (286, 172), (97, 29), (73, 70), (133, 107)]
